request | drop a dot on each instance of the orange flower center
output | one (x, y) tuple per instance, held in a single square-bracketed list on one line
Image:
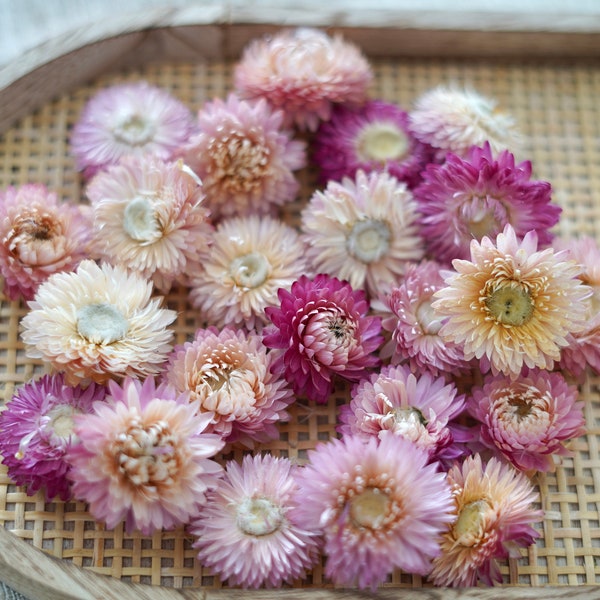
[(259, 516), (510, 304), (381, 141), (370, 508)]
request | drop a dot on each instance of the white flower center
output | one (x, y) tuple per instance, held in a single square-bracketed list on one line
[(370, 508), (250, 271), (428, 319), (470, 525), (258, 516), (139, 220), (101, 323), (368, 240), (381, 142), (134, 131), (61, 421), (510, 305)]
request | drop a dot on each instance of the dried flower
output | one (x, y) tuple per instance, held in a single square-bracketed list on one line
[(98, 323), (512, 305), (143, 458), (245, 534), (149, 217), (466, 199), (36, 430), (250, 259), (364, 231), (129, 118), (376, 512), (229, 374), (244, 158), (304, 72), (39, 236), (322, 330), (373, 137), (493, 517)]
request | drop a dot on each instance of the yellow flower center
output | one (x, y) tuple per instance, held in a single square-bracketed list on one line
[(101, 323), (258, 517), (510, 305), (382, 142), (250, 271), (370, 508), (139, 220), (368, 240), (134, 131), (469, 528)]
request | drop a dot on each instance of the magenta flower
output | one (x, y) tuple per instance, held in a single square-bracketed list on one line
[(245, 534), (322, 330), (418, 408), (476, 196), (36, 431), (129, 118), (528, 420), (39, 236), (143, 457), (374, 137), (375, 510)]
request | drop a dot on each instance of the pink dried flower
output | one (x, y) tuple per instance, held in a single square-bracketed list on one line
[(229, 374), (149, 217), (245, 534), (129, 118), (36, 431), (39, 236), (143, 458), (375, 511), (323, 330), (466, 199), (244, 158), (512, 305), (418, 408), (493, 518), (528, 420), (304, 72), (364, 230), (374, 137)]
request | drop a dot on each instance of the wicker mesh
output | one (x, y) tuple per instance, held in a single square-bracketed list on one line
[(557, 109)]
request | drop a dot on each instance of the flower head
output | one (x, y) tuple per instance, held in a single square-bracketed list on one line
[(245, 533), (493, 517), (512, 305), (129, 118), (97, 323), (375, 512), (466, 199), (323, 330), (228, 373), (453, 120), (244, 158), (373, 137), (149, 217), (142, 457), (364, 231), (36, 430), (249, 260), (304, 72), (39, 236), (528, 420)]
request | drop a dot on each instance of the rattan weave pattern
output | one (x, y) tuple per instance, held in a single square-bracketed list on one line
[(557, 110)]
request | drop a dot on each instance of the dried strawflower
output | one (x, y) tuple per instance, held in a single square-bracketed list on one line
[(452, 120), (375, 510), (149, 217), (244, 158), (229, 374), (245, 534), (36, 430), (322, 330), (373, 137), (249, 260), (493, 518), (129, 118), (39, 236), (97, 323), (364, 230), (418, 408), (466, 199), (142, 457), (305, 72), (528, 420), (512, 305)]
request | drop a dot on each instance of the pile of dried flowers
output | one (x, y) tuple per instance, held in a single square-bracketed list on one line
[(425, 273)]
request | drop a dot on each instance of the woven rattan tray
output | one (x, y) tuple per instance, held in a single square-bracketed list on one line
[(556, 105)]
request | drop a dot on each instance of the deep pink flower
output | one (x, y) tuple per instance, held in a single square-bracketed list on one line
[(36, 430), (476, 196), (322, 329)]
